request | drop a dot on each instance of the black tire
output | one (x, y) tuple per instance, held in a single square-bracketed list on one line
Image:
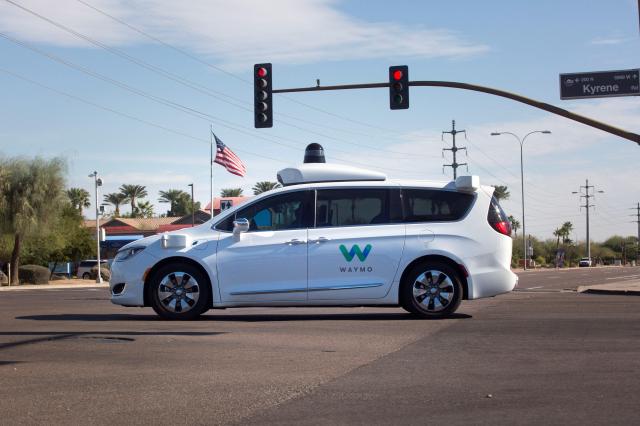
[(184, 297), (86, 276), (442, 290)]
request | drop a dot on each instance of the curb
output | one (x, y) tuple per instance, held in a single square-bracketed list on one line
[(609, 292), (52, 287)]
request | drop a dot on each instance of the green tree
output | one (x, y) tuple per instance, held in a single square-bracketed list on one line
[(116, 199), (132, 193), (501, 192), (79, 198), (264, 186), (178, 200), (515, 225), (231, 192), (32, 194), (144, 209)]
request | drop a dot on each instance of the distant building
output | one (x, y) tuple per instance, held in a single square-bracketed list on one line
[(126, 228), (223, 203)]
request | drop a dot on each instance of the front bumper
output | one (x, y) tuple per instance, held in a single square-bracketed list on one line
[(127, 280)]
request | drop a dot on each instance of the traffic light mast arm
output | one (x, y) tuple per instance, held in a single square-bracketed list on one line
[(634, 137)]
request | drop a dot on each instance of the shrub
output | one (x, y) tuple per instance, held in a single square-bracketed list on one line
[(3, 278), (104, 272), (33, 274)]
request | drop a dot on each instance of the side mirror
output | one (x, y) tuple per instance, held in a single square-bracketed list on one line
[(240, 225)]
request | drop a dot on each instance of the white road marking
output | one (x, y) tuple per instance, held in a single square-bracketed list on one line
[(533, 288)]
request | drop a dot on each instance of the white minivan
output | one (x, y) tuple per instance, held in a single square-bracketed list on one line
[(332, 235)]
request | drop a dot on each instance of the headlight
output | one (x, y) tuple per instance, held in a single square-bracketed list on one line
[(128, 253)]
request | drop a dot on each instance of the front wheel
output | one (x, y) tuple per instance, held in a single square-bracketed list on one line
[(431, 290), (179, 291), (86, 276)]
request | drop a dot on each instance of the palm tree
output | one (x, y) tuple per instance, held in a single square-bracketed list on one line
[(116, 199), (264, 186), (176, 197), (31, 191), (566, 229), (144, 209), (563, 232), (79, 198), (501, 192), (515, 225), (231, 192), (133, 192)]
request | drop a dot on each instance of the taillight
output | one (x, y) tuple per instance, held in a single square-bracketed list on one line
[(502, 227), (497, 218)]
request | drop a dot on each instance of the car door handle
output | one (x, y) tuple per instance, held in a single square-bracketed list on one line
[(295, 242), (319, 240)]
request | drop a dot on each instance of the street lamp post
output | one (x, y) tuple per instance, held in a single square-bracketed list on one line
[(193, 213), (97, 182), (521, 141)]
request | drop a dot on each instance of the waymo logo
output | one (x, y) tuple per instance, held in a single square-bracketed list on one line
[(355, 251)]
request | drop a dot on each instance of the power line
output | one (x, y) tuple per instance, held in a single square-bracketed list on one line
[(176, 78), (171, 104), (210, 65)]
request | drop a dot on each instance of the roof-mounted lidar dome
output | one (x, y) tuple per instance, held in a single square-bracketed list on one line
[(314, 153)]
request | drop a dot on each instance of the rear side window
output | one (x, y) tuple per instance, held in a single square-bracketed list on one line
[(87, 264), (350, 207), (430, 205)]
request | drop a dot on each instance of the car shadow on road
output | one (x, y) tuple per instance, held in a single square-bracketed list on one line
[(374, 316), (388, 316)]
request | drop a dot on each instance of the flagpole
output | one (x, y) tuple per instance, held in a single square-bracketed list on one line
[(211, 167)]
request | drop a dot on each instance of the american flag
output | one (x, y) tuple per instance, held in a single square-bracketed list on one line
[(225, 157)]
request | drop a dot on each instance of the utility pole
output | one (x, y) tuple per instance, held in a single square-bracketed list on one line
[(587, 196), (637, 209), (97, 183), (193, 212), (454, 149)]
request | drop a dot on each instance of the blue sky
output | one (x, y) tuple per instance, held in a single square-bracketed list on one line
[(512, 45)]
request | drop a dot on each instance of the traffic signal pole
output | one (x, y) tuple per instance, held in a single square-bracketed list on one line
[(634, 137)]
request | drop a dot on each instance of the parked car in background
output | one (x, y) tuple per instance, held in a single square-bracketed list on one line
[(84, 269), (585, 261)]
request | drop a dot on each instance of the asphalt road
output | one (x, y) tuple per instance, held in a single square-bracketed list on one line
[(528, 357), (570, 279)]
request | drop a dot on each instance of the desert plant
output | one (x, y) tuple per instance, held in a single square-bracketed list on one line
[(105, 273), (33, 274)]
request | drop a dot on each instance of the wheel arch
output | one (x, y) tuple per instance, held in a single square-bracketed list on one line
[(169, 260), (462, 271)]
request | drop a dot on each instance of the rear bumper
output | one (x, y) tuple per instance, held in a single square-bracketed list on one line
[(491, 282)]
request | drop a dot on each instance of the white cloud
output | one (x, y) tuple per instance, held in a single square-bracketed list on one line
[(240, 31), (610, 41)]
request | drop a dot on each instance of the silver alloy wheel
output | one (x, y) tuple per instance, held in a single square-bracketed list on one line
[(178, 292), (433, 290)]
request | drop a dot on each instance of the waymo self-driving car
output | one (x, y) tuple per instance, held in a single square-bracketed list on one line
[(332, 235)]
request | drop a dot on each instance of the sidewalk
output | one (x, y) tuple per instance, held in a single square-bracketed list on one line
[(58, 284), (628, 288)]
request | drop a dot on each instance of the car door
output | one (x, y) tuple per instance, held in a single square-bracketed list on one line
[(269, 262), (356, 245)]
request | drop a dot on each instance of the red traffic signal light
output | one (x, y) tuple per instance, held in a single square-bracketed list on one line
[(399, 87), (262, 96)]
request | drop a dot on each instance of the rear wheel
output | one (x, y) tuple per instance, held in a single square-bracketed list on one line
[(179, 291), (86, 276), (431, 290)]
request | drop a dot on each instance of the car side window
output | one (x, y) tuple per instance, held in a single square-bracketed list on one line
[(431, 205), (349, 207), (277, 213)]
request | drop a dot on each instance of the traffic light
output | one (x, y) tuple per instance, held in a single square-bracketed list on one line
[(262, 101), (399, 87)]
